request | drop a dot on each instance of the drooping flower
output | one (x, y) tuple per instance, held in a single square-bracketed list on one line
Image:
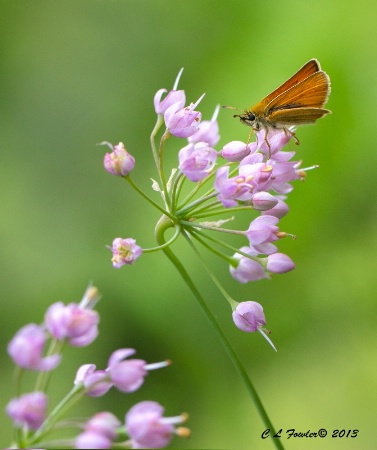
[(125, 251), (29, 409), (196, 161), (78, 325), (26, 349), (249, 316)]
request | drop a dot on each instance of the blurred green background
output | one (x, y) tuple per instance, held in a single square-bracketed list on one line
[(75, 73)]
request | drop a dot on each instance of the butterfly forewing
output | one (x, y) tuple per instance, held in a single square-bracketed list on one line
[(306, 70), (312, 92)]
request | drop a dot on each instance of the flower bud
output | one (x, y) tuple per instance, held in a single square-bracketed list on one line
[(119, 162), (279, 263), (249, 316), (263, 201), (235, 151)]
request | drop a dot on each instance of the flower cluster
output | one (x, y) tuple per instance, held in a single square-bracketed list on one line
[(76, 324), (240, 176)]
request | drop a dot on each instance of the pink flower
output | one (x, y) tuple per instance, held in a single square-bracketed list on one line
[(78, 325), (208, 131), (90, 439), (104, 423), (96, 382), (282, 174), (280, 210), (119, 162), (261, 232), (277, 139), (247, 269), (147, 427), (29, 409), (248, 316), (26, 349), (263, 201), (173, 97), (230, 190), (236, 151), (197, 160), (279, 263), (125, 251), (127, 376), (182, 122)]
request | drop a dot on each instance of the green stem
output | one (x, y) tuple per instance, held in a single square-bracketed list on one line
[(137, 189), (163, 224)]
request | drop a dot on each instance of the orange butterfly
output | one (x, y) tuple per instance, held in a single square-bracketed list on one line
[(298, 101)]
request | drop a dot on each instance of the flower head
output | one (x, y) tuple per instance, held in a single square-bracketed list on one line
[(29, 409), (26, 349), (125, 251)]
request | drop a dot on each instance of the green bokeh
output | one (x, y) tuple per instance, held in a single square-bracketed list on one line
[(78, 72)]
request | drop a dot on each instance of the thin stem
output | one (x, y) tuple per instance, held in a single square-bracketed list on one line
[(192, 205), (207, 227), (160, 121), (152, 202), (163, 224), (161, 170)]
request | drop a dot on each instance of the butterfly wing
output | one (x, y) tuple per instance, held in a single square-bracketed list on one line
[(313, 92), (306, 70), (297, 116)]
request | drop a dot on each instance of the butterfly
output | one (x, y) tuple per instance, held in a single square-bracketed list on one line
[(298, 101)]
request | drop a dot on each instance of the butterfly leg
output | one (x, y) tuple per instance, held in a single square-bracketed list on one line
[(267, 143), (293, 134)]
